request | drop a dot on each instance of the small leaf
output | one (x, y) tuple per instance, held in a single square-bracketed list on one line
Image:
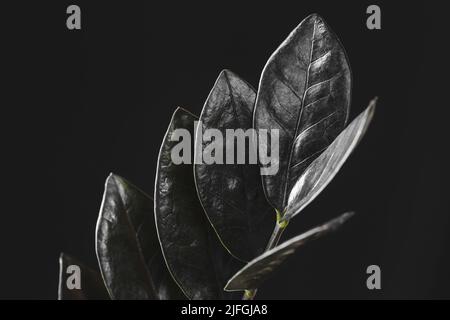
[(231, 193), (322, 170), (258, 270), (194, 255), (92, 286), (304, 92), (128, 248)]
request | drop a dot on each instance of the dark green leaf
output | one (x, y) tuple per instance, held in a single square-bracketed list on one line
[(194, 255), (128, 248), (231, 193), (259, 269), (92, 286), (323, 169), (304, 92)]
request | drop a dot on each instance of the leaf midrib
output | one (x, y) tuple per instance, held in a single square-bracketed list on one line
[(299, 117)]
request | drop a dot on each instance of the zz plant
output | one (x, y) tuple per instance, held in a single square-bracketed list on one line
[(211, 231)]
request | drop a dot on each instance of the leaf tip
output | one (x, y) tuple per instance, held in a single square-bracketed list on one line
[(313, 17), (113, 179), (226, 288), (230, 76), (226, 73), (369, 112), (229, 286), (111, 175), (235, 82), (180, 111), (339, 221), (62, 257), (373, 103)]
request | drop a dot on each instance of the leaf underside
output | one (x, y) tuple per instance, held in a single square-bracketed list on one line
[(304, 92), (324, 168), (258, 270), (194, 255), (92, 286), (232, 193), (128, 249)]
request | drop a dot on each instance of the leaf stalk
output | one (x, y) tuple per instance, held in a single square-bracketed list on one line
[(280, 226)]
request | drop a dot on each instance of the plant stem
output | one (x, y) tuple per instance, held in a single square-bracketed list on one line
[(273, 241), (276, 236)]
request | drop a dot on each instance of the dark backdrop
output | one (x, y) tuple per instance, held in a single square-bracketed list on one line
[(89, 102)]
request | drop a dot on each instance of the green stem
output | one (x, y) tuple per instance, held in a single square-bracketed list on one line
[(277, 232), (249, 294), (280, 226)]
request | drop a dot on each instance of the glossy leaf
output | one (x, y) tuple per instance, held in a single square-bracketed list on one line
[(304, 92), (128, 248), (232, 193), (259, 269), (323, 169), (194, 255), (91, 282)]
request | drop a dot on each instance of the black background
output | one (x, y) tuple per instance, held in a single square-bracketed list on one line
[(86, 103)]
